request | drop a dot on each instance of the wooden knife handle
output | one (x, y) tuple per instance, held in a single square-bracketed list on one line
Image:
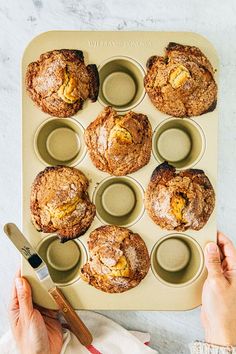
[(77, 326)]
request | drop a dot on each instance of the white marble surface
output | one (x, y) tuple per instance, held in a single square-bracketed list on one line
[(22, 20)]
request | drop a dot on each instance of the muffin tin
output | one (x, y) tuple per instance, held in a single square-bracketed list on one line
[(177, 272)]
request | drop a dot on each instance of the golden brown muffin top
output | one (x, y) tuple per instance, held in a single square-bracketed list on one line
[(119, 259), (59, 202), (119, 144), (182, 82), (59, 82), (179, 201)]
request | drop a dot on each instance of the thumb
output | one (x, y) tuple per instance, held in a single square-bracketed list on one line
[(213, 261), (24, 297)]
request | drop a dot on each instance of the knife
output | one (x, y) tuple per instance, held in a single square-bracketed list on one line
[(28, 252)]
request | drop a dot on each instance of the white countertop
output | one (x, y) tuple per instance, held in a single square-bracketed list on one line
[(20, 21)]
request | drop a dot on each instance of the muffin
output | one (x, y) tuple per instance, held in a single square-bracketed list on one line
[(181, 83), (59, 202), (119, 144), (59, 82), (179, 201), (119, 259)]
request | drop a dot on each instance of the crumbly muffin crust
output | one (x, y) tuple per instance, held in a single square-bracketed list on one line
[(181, 83), (119, 259), (59, 202), (59, 82), (179, 201), (119, 144)]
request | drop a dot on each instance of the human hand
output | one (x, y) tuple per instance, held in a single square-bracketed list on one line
[(36, 331), (219, 293)]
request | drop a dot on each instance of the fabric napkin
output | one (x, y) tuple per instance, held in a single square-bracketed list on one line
[(109, 338)]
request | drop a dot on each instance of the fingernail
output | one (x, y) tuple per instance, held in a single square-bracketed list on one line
[(19, 283), (212, 248)]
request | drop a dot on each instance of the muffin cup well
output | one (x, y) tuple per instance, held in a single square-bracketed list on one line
[(119, 201), (121, 83), (60, 141), (178, 141), (64, 260), (177, 260)]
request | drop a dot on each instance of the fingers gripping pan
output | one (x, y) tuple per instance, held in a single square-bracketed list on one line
[(27, 251)]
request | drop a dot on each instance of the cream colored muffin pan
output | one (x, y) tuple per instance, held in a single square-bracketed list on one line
[(176, 275)]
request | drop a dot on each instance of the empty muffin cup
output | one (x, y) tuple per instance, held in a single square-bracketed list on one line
[(119, 201), (178, 141), (60, 141), (121, 83), (64, 260), (177, 260)]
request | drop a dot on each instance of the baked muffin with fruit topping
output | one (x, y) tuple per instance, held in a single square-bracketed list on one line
[(182, 82), (119, 144), (179, 201), (59, 82), (59, 202), (119, 259)]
